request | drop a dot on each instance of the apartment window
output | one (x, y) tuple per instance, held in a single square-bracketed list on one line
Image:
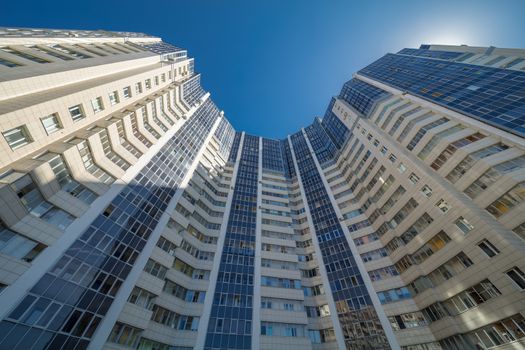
[(66, 50), (401, 168), (384, 150), (97, 104), (36, 205), (142, 298), (453, 147), (25, 55), (51, 123), (125, 335), (464, 225), (64, 178), (113, 98), (472, 158), (443, 205), (427, 191), (494, 174), (520, 230), (9, 64), (154, 268), (138, 88), (508, 201), (17, 137), (163, 77), (126, 92), (392, 158), (488, 248), (156, 80), (413, 178), (76, 113), (518, 277), (148, 84), (18, 246)]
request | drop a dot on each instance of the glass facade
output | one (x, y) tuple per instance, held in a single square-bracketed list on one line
[(361, 96), (65, 307), (359, 321), (230, 324), (379, 156), (492, 95)]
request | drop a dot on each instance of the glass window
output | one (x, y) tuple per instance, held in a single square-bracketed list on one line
[(25, 55), (77, 113), (8, 63), (427, 191), (413, 178), (508, 201), (464, 225), (18, 246), (138, 88), (443, 205), (113, 98), (488, 248), (17, 137), (127, 92), (518, 277), (148, 84), (69, 51), (97, 104), (51, 123)]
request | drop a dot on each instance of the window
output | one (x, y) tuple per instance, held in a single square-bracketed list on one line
[(469, 161), (413, 178), (163, 77), (392, 158), (76, 54), (64, 178), (18, 246), (464, 225), (154, 268), (51, 123), (508, 201), (384, 150), (427, 191), (17, 137), (36, 205), (156, 80), (9, 64), (494, 174), (453, 147), (142, 298), (443, 205), (127, 92), (77, 113), (518, 277), (125, 335), (97, 104), (148, 84), (488, 248), (138, 88), (24, 55), (401, 168), (113, 98)]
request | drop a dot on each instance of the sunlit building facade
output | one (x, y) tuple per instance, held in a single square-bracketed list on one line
[(134, 216)]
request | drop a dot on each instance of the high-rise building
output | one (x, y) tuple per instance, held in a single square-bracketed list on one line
[(134, 216)]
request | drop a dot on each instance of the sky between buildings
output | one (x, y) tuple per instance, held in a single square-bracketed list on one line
[(273, 65)]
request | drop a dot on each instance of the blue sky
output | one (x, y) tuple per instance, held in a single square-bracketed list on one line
[(273, 65)]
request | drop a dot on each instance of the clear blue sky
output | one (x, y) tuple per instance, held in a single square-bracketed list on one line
[(273, 65)]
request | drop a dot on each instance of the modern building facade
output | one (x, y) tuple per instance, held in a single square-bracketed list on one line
[(134, 216)]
